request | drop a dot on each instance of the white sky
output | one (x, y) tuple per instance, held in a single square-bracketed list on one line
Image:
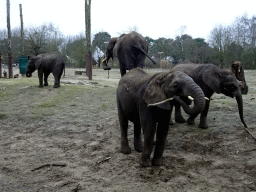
[(161, 18)]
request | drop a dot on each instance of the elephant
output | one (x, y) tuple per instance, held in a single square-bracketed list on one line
[(210, 78), (144, 100), (45, 64), (130, 49)]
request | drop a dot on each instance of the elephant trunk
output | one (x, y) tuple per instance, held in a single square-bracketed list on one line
[(197, 94), (28, 74), (239, 100), (105, 66)]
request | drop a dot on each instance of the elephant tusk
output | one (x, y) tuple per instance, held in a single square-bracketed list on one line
[(104, 59), (161, 102), (191, 98)]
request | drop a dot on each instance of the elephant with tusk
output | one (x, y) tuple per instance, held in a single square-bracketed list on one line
[(211, 79), (130, 49), (145, 100)]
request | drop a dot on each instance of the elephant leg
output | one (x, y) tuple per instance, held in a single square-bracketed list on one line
[(123, 127), (149, 129), (122, 69), (178, 116), (161, 135), (149, 133), (57, 76), (45, 78), (171, 122), (40, 76), (137, 137), (203, 116)]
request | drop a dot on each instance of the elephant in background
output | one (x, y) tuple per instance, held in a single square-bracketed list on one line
[(144, 100), (45, 64), (130, 49), (211, 79)]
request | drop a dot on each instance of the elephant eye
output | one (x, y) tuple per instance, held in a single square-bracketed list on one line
[(231, 87), (175, 86)]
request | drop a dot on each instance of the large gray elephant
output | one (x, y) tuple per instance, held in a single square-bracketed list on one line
[(45, 64), (130, 49), (211, 79), (144, 99)]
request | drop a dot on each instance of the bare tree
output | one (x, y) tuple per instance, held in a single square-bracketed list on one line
[(45, 38), (36, 38)]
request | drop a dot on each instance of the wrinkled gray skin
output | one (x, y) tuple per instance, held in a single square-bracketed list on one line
[(130, 49), (211, 79), (45, 64), (135, 91)]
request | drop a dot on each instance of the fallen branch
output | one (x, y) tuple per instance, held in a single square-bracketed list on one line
[(249, 132), (103, 160), (51, 165)]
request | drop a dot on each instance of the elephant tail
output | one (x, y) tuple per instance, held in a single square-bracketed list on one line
[(140, 48)]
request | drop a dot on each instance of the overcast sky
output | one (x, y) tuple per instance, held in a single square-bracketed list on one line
[(160, 18)]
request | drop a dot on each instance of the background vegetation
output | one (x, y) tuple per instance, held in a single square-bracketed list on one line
[(225, 43)]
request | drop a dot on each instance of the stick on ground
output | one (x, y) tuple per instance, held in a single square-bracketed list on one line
[(50, 165)]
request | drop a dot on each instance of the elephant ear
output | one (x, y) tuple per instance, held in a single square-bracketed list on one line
[(212, 79), (154, 94), (38, 62)]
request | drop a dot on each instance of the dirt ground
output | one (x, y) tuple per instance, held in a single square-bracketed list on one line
[(68, 139)]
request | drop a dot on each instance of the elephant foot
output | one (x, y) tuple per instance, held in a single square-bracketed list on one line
[(46, 84), (138, 146), (126, 149), (180, 119), (145, 162), (40, 86), (191, 121), (203, 125), (157, 162), (56, 86)]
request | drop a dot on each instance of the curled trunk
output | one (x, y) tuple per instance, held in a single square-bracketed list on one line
[(239, 100), (198, 95), (105, 66)]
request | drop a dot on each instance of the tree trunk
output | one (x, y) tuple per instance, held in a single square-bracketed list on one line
[(21, 31), (88, 59), (9, 41)]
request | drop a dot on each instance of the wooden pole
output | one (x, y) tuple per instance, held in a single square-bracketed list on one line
[(21, 31), (9, 41), (88, 59)]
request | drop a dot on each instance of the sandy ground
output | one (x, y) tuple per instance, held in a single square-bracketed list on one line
[(68, 139)]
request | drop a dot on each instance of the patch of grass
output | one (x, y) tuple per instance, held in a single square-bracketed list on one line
[(24, 100), (3, 116), (47, 104)]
